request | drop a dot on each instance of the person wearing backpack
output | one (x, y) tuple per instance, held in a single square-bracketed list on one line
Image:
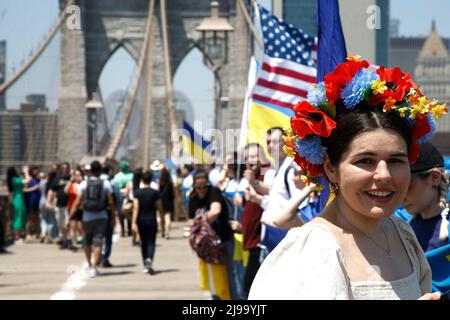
[(94, 194)]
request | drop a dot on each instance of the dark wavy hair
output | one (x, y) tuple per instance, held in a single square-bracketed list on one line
[(362, 120), (11, 173)]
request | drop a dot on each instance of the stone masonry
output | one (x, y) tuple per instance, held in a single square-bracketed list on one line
[(107, 25)]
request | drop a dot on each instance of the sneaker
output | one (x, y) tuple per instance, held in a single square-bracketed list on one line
[(106, 264), (93, 272), (4, 251), (64, 245), (145, 270), (148, 265)]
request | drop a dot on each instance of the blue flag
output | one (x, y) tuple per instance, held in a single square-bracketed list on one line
[(331, 52), (331, 49)]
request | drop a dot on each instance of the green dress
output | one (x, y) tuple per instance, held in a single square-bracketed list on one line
[(19, 209)]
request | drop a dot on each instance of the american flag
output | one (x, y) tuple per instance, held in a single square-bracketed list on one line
[(289, 62)]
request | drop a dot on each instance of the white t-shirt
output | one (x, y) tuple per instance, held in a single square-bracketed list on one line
[(214, 175), (89, 215), (278, 194)]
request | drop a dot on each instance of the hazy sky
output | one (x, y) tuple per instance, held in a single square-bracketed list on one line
[(23, 23)]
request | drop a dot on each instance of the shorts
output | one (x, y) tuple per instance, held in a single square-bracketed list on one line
[(61, 217), (78, 216), (94, 232)]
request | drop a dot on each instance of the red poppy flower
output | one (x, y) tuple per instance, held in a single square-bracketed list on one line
[(420, 128), (398, 84), (338, 79), (314, 170), (309, 120)]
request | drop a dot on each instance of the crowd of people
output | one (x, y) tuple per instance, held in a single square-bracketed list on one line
[(363, 133), (383, 232), (78, 208)]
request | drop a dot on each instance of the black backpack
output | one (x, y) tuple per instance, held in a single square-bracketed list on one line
[(94, 196)]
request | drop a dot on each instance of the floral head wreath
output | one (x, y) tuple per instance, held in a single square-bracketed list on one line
[(352, 82)]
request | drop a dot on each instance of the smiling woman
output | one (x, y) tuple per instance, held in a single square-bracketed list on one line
[(370, 129)]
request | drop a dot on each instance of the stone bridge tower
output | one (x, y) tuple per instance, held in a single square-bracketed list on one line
[(107, 25)]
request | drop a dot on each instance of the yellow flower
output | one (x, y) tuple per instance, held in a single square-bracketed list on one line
[(390, 104), (378, 87), (414, 99), (439, 110), (423, 105), (402, 111), (319, 187), (353, 57), (289, 152), (305, 180)]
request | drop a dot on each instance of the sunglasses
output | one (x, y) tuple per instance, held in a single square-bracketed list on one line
[(422, 174), (201, 187)]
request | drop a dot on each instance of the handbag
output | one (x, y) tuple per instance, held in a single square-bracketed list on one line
[(206, 243), (127, 208)]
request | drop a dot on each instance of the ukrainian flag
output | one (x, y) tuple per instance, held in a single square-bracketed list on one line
[(200, 149), (263, 116)]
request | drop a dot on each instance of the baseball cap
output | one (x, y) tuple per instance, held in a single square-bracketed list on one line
[(429, 157), (124, 165)]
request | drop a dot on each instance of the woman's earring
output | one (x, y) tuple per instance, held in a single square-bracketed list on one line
[(334, 188)]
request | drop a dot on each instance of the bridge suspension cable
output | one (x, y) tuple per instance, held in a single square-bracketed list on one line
[(115, 142), (38, 51)]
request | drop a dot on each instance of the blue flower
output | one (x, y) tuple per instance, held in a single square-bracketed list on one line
[(311, 149), (428, 136), (353, 93), (317, 95)]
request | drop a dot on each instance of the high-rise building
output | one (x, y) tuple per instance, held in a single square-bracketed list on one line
[(2, 71), (365, 24), (39, 100), (427, 60), (433, 72), (302, 14), (27, 137), (394, 28)]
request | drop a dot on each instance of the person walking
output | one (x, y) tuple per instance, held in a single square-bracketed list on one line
[(71, 189), (167, 193), (48, 221), (60, 207), (144, 222), (121, 179), (107, 247), (94, 194)]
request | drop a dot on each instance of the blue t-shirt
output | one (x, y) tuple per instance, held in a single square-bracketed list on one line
[(35, 196), (427, 232)]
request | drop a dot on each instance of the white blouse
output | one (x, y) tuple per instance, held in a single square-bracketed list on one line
[(309, 264)]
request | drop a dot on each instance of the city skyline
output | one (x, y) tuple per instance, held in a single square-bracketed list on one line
[(24, 23)]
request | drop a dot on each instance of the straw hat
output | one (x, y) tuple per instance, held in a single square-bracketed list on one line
[(156, 165)]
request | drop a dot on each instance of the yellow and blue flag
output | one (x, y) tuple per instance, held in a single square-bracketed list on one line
[(195, 145)]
